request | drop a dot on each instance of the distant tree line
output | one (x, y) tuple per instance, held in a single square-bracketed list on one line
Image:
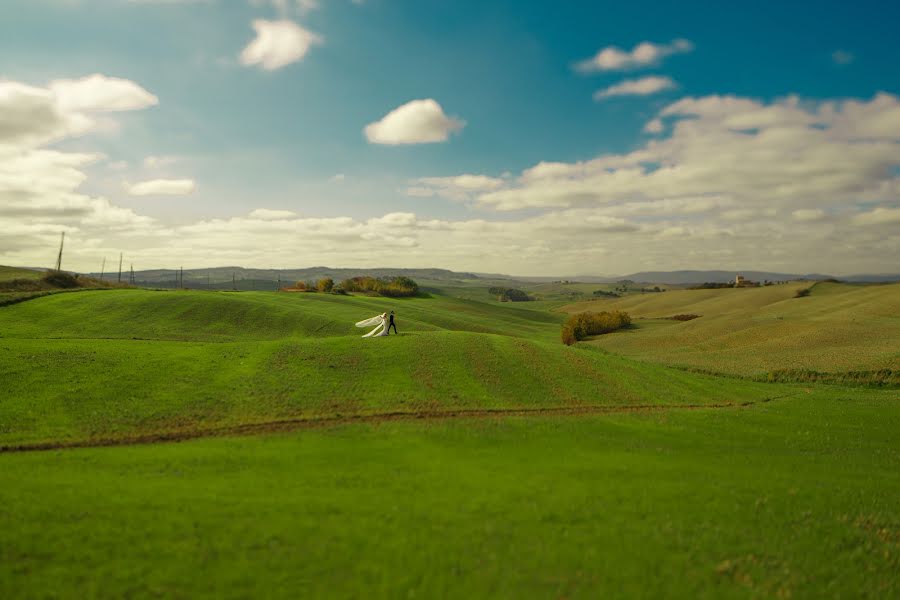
[(397, 287), (509, 294), (582, 325)]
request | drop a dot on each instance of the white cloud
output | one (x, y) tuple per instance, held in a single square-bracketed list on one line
[(786, 153), (645, 54), (337, 178), (644, 86), (880, 216), (266, 214), (654, 126), (458, 187), (416, 122), (99, 93), (31, 116), (162, 187), (278, 44), (158, 162)]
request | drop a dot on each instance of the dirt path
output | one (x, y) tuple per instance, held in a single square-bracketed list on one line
[(287, 425)]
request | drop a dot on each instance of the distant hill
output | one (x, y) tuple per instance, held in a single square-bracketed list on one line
[(268, 279), (691, 277), (687, 277), (242, 278)]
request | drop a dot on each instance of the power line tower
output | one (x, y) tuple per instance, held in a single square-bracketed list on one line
[(102, 268), (62, 240), (131, 276), (120, 268)]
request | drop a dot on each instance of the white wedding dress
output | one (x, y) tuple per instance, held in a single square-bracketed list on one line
[(381, 325)]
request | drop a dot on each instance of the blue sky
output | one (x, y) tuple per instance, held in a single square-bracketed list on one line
[(290, 140)]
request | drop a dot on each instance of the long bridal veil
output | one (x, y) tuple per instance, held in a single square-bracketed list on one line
[(381, 326)]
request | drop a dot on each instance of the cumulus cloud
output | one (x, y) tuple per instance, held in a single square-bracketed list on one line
[(644, 86), (416, 122), (788, 152), (278, 44), (645, 54), (99, 93), (654, 126), (163, 187)]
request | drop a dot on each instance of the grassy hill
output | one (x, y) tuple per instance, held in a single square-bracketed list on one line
[(471, 455), (121, 364), (10, 273), (750, 331)]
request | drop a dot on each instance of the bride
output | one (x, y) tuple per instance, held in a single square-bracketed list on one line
[(381, 325)]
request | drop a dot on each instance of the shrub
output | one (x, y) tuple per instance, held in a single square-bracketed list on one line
[(326, 284), (509, 294), (685, 317), (582, 325), (61, 279), (801, 293)]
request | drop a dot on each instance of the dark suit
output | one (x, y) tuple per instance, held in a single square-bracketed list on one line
[(392, 324)]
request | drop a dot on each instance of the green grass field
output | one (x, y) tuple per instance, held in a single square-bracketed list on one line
[(751, 331), (474, 455), (10, 273)]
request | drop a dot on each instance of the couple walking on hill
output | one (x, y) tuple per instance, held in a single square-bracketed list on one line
[(383, 324)]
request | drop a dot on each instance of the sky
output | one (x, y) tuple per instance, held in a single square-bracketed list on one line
[(503, 136)]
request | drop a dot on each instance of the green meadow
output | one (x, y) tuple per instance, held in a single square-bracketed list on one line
[(751, 331), (222, 444)]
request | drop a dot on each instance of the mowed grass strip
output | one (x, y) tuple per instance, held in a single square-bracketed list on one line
[(796, 498), (753, 331), (76, 390)]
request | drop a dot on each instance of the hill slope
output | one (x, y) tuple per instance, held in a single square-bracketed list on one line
[(837, 328), (210, 360)]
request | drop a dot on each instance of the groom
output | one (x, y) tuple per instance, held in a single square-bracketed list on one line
[(392, 324)]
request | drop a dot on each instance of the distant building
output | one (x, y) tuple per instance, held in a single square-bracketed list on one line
[(740, 281)]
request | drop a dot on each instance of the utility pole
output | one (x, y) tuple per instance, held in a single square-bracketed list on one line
[(233, 283), (131, 277), (102, 268), (120, 268), (208, 287), (62, 239), (181, 276)]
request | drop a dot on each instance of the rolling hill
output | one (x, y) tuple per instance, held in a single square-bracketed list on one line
[(752, 331), (128, 363)]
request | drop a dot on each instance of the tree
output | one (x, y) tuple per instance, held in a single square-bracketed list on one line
[(326, 284)]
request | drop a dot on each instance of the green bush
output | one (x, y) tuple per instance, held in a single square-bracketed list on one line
[(582, 325), (326, 284), (802, 293), (509, 294)]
